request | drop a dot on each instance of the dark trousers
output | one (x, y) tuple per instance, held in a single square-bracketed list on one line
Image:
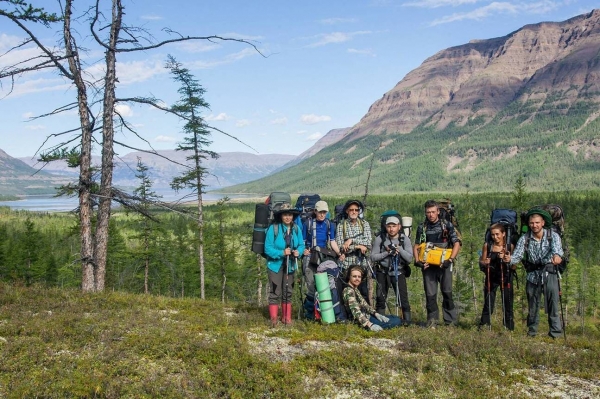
[(552, 303), (384, 283), (281, 286), (506, 296), (432, 276)]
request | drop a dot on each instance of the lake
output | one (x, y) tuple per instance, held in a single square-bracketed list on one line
[(49, 203)]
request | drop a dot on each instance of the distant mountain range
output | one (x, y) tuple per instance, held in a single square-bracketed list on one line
[(16, 177), (22, 175), (229, 169), (474, 117)]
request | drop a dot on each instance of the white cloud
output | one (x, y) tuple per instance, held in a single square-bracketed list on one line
[(243, 123), (334, 21), (131, 71), (35, 127), (124, 109), (8, 41), (35, 86), (495, 8), (28, 115), (280, 121), (151, 17), (220, 117), (165, 139), (366, 51), (336, 37), (196, 46), (311, 119), (438, 3), (314, 137), (229, 59)]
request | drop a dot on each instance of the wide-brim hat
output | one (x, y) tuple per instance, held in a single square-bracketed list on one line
[(353, 201), (544, 214), (286, 207)]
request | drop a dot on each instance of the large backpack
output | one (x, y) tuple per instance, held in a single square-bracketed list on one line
[(507, 218), (448, 214), (305, 204), (557, 225), (264, 215), (339, 213)]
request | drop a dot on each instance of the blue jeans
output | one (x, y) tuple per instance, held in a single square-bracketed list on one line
[(395, 321)]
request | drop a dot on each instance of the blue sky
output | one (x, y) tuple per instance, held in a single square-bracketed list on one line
[(325, 63)]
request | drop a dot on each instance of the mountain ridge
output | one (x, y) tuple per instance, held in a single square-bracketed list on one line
[(474, 117)]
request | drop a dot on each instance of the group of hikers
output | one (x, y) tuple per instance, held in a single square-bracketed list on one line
[(347, 252)]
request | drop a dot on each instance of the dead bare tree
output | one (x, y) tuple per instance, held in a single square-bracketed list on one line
[(66, 60)]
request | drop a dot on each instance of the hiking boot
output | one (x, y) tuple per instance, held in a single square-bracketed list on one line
[(431, 323), (286, 310), (273, 310), (407, 319)]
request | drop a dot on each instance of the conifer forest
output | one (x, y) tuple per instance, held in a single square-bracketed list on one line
[(158, 256)]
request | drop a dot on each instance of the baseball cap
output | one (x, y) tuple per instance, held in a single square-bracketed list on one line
[(321, 206), (392, 220)]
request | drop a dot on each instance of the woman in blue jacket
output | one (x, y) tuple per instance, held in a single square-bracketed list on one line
[(283, 246)]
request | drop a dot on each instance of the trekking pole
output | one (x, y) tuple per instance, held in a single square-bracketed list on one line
[(489, 296), (302, 280), (398, 302), (285, 289), (502, 292), (562, 312)]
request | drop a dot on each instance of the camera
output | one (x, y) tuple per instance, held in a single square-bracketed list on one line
[(393, 249)]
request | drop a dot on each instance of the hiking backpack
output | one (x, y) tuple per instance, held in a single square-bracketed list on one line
[(448, 214), (264, 215), (306, 205), (507, 218), (557, 225), (339, 213)]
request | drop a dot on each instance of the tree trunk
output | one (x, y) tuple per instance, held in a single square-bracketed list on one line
[(107, 148), (85, 162)]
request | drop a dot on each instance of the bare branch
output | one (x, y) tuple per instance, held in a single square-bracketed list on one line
[(53, 58)]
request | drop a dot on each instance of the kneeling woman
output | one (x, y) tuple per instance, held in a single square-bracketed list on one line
[(359, 310)]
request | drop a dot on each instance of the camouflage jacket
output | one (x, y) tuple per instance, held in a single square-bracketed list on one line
[(357, 306)]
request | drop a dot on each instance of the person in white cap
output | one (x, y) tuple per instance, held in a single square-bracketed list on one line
[(320, 245), (392, 253)]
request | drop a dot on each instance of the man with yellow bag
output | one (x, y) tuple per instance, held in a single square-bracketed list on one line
[(436, 248)]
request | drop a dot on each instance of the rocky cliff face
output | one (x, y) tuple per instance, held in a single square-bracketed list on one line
[(537, 62)]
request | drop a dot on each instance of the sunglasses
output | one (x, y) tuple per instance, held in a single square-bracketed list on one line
[(352, 209)]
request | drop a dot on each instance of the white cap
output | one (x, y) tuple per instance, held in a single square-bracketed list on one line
[(392, 220), (321, 206)]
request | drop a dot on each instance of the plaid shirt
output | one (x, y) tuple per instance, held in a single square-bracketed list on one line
[(360, 232), (356, 303), (538, 252)]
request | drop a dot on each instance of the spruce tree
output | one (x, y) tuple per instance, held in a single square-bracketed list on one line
[(190, 107)]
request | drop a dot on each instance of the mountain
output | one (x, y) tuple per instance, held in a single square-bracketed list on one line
[(475, 117), (17, 178), (229, 169), (332, 137)]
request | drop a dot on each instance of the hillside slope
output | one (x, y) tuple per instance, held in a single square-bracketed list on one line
[(475, 117)]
